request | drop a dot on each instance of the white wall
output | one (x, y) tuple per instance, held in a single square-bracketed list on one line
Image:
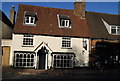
[(54, 43), (6, 42)]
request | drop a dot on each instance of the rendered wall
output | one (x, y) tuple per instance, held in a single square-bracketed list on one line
[(54, 43)]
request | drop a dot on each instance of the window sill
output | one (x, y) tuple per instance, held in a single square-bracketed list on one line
[(27, 46), (66, 47), (115, 34), (64, 27), (30, 24)]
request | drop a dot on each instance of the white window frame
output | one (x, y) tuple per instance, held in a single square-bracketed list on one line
[(71, 63), (29, 23), (116, 28), (22, 59), (31, 37), (66, 24), (66, 41)]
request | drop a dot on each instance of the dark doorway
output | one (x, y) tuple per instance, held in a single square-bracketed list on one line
[(42, 57)]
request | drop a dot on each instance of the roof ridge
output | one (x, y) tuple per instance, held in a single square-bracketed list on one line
[(68, 9), (102, 13), (46, 7)]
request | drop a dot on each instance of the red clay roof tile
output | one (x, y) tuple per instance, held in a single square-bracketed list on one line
[(48, 23)]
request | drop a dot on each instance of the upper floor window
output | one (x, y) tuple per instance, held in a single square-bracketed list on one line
[(64, 21), (66, 42), (30, 18), (115, 30), (28, 40)]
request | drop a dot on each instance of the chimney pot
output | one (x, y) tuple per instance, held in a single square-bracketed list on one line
[(13, 6), (12, 14)]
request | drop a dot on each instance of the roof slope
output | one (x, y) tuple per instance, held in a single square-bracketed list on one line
[(97, 27), (48, 23), (7, 26), (5, 19)]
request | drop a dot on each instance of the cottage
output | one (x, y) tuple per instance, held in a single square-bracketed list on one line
[(45, 38)]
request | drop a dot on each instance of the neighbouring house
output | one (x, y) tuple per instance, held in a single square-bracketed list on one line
[(105, 37), (6, 35), (45, 38)]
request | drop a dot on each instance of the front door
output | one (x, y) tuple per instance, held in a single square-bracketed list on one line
[(42, 58), (5, 56)]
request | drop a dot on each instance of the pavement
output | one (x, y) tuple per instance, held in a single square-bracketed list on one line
[(79, 73)]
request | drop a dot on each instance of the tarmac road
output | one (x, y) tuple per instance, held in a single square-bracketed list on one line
[(82, 75)]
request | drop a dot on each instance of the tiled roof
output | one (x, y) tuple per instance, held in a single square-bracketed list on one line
[(47, 23), (97, 27)]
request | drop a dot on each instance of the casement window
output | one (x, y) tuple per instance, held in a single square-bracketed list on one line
[(24, 59), (64, 21), (66, 42), (28, 40), (63, 60), (30, 18), (115, 30)]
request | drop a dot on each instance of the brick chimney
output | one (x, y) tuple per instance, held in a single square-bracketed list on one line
[(12, 15), (79, 8)]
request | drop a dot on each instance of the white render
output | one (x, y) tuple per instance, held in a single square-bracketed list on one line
[(54, 45)]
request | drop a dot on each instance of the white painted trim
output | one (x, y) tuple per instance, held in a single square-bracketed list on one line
[(106, 25), (20, 53), (59, 23), (117, 33), (66, 47), (58, 20), (29, 23), (72, 59), (43, 44), (46, 62), (28, 37), (109, 27)]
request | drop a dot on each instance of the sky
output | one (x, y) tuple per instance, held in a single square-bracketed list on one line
[(102, 7)]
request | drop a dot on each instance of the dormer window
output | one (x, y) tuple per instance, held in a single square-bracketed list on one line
[(30, 18), (64, 21), (115, 30)]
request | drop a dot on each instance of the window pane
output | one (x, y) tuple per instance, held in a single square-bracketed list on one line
[(24, 60), (64, 61), (28, 40), (27, 20), (62, 22), (32, 56), (113, 31), (32, 20), (66, 42)]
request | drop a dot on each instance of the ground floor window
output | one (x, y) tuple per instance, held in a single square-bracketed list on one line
[(63, 60), (24, 59)]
